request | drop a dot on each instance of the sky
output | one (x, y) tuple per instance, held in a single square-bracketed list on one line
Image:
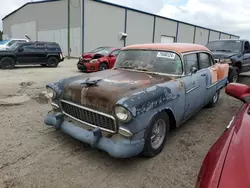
[(231, 16)]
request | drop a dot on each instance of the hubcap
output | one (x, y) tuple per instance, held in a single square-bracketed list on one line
[(103, 67), (215, 98), (235, 78), (158, 134)]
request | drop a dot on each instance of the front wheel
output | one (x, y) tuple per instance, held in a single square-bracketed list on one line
[(233, 75), (7, 63), (156, 135), (103, 66), (214, 99)]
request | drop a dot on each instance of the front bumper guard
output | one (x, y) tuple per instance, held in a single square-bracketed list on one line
[(121, 148)]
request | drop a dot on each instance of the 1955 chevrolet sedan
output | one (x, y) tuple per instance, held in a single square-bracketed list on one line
[(129, 109)]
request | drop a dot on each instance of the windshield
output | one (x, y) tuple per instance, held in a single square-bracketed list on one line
[(152, 61), (4, 41), (230, 46), (102, 50)]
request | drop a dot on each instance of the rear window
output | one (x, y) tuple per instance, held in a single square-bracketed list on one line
[(53, 46)]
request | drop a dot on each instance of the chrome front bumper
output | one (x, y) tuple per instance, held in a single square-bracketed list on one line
[(118, 148)]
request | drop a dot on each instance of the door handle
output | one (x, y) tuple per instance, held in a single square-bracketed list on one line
[(203, 75)]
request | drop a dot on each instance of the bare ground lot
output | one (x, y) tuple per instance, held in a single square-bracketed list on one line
[(33, 155)]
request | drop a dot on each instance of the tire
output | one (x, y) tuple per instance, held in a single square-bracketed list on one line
[(43, 65), (214, 100), (52, 62), (151, 148), (103, 66), (7, 63), (233, 75)]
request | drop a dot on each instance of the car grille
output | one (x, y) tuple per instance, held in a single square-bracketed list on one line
[(89, 117)]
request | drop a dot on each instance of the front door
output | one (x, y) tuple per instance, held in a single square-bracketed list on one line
[(27, 54), (195, 86), (113, 57), (41, 52), (245, 66)]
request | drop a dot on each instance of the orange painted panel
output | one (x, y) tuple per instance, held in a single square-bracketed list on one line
[(214, 73)]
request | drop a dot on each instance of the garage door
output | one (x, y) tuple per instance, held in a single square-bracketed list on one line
[(167, 39)]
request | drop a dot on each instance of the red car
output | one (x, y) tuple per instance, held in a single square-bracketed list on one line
[(227, 164), (99, 59)]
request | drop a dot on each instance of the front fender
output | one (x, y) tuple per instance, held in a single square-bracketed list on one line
[(146, 104)]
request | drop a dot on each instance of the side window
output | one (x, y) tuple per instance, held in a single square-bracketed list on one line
[(29, 48), (204, 61), (115, 53), (190, 60), (11, 42), (40, 47), (246, 46), (53, 47)]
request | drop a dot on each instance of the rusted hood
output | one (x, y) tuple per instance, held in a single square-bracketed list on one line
[(102, 90)]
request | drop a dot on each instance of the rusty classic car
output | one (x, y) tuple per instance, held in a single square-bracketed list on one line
[(129, 109)]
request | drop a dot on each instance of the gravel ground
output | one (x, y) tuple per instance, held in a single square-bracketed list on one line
[(33, 155)]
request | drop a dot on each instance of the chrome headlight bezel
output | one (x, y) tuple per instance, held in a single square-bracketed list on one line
[(122, 114), (51, 93), (225, 60)]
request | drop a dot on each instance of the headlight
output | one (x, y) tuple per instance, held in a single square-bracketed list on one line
[(122, 114), (51, 93), (93, 60)]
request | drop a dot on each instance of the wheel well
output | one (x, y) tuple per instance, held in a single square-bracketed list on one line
[(238, 64), (172, 120), (13, 57), (55, 56), (105, 63)]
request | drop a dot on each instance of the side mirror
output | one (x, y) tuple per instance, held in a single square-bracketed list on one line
[(20, 49), (238, 91), (193, 70)]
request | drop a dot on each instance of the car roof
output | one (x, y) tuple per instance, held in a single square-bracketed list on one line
[(176, 47)]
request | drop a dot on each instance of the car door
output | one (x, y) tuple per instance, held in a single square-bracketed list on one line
[(195, 85), (41, 52), (246, 58), (27, 54), (207, 68), (112, 58)]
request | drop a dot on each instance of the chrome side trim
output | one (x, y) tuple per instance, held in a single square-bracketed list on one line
[(192, 89), (212, 85), (91, 110)]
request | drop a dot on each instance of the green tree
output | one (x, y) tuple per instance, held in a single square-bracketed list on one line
[(1, 35)]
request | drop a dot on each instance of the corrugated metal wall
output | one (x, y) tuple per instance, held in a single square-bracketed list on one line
[(164, 27), (185, 33), (201, 36), (214, 35), (139, 28), (102, 25)]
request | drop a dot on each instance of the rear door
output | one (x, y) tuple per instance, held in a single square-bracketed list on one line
[(41, 52), (209, 75), (195, 85)]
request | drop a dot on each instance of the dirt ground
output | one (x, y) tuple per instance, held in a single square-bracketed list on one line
[(33, 155)]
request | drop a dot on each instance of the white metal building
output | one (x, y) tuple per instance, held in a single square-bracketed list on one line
[(96, 23)]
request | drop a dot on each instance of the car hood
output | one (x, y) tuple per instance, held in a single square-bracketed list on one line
[(220, 55), (89, 56), (102, 90), (236, 171)]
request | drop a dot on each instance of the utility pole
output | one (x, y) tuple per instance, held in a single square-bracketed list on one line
[(69, 29)]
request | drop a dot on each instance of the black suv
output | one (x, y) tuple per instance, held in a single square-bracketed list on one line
[(235, 52), (31, 53)]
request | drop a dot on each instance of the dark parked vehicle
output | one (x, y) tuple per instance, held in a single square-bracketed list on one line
[(100, 58), (31, 53), (234, 52), (227, 163)]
